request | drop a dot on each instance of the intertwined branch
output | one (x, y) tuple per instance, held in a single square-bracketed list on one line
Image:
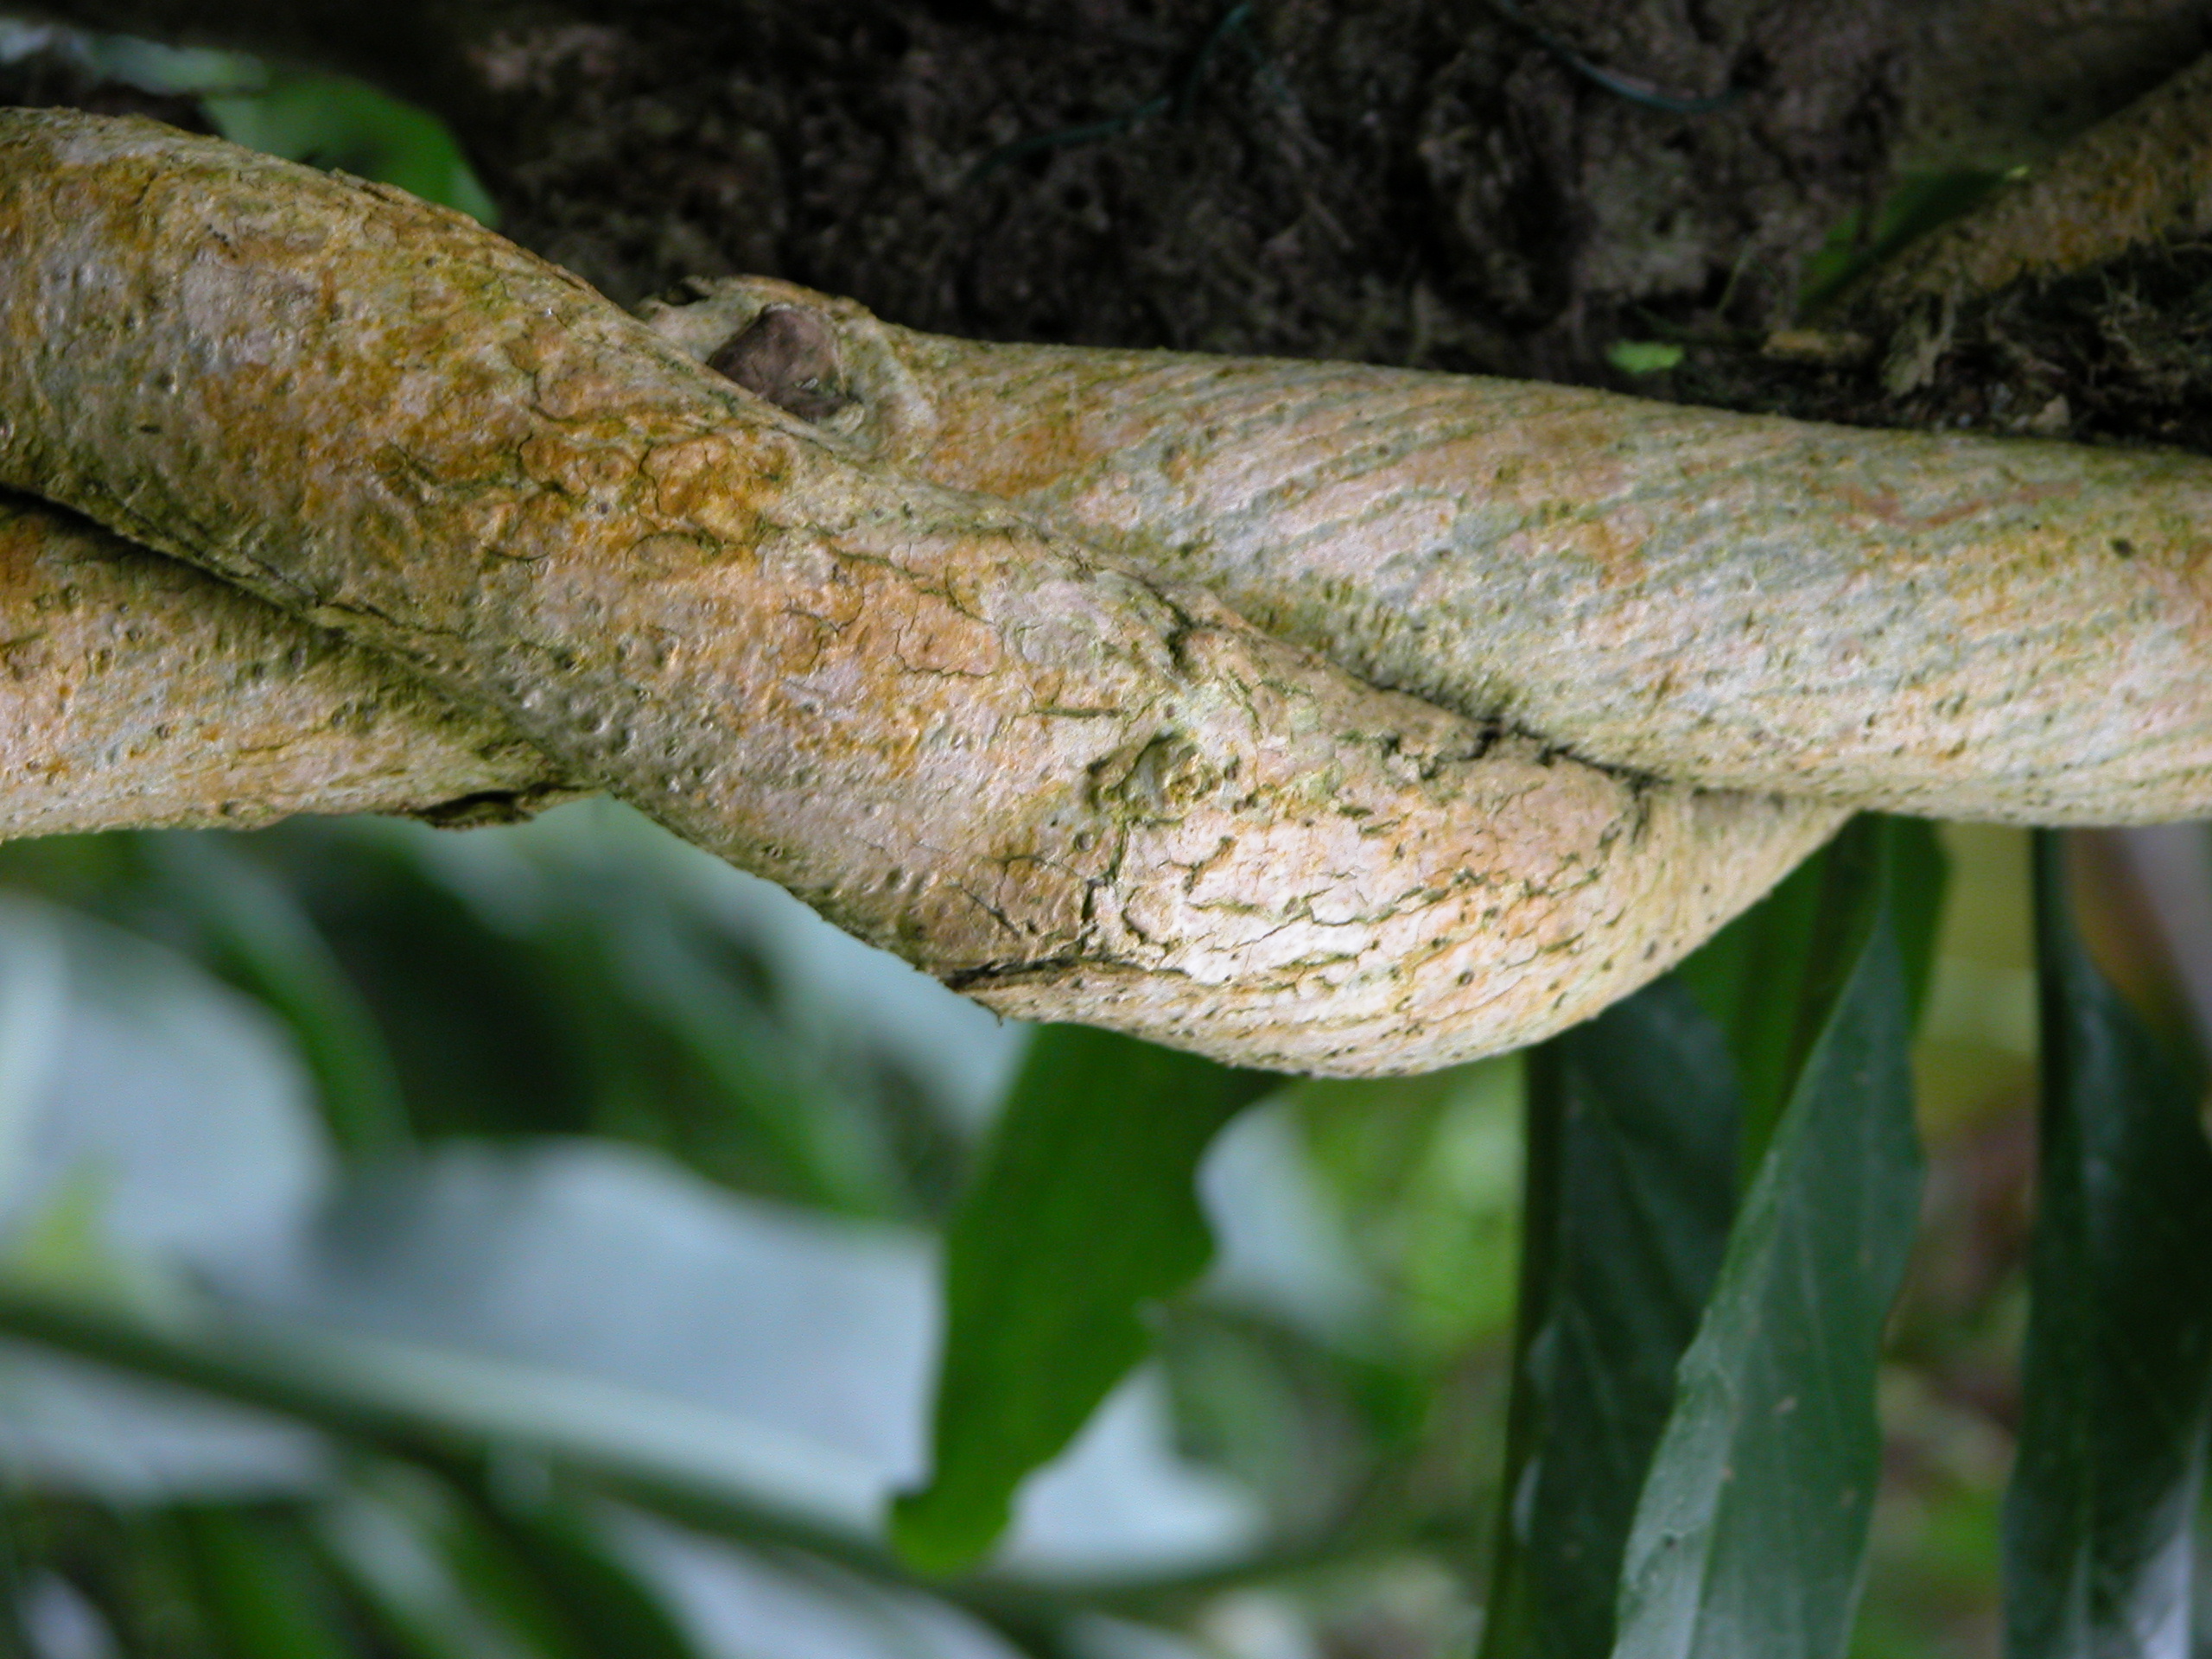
[(1061, 672)]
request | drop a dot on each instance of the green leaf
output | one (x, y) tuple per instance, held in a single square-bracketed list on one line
[(544, 1574), (1917, 203), (1084, 1211), (258, 1587), (1632, 1135), (143, 1108), (2097, 1550), (436, 1583), (1750, 1533), (1643, 356), (559, 1558), (1749, 977), (576, 991), (1919, 878), (1739, 976), (335, 121)]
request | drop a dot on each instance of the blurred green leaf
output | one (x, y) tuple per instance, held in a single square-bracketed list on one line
[(573, 991), (1643, 356), (1085, 1209), (631, 1332), (1919, 203), (1920, 880), (1748, 977), (1427, 1171), (582, 974), (143, 1106), (687, 1061), (334, 121), (583, 1589), (387, 1536), (452, 1572), (1632, 1138), (481, 1037), (2097, 1521), (260, 1592), (590, 1305), (418, 1402), (1750, 1533)]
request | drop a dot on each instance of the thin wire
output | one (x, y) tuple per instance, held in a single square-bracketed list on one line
[(1236, 21), (1635, 90)]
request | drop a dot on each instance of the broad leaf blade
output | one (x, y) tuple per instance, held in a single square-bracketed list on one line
[(1633, 1119), (1750, 1533), (2097, 1558), (1751, 977), (1764, 979), (1084, 1211)]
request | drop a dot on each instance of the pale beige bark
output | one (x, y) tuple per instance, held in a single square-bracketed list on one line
[(1962, 627), (1072, 793), (137, 692), (1201, 469)]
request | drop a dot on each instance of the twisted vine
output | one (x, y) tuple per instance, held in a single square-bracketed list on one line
[(1314, 716)]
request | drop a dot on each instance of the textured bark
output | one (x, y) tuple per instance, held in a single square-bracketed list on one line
[(1094, 798), (1964, 627), (1958, 632), (137, 692), (1071, 793)]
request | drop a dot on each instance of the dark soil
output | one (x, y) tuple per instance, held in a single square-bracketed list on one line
[(2121, 352), (1432, 184), (1484, 185)]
